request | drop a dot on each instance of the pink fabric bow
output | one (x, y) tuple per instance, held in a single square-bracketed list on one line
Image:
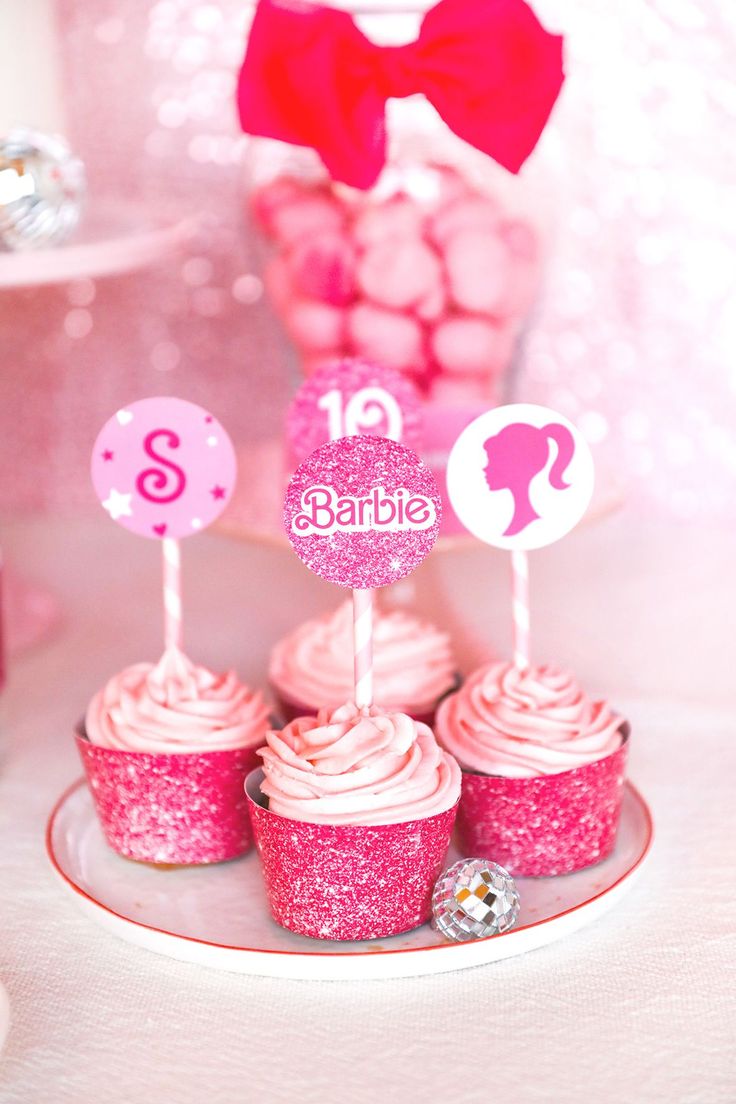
[(310, 77)]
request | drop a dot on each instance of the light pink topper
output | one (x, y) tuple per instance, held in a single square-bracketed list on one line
[(163, 467), (520, 476), (362, 512), (349, 397)]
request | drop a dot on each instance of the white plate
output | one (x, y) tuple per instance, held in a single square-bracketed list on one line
[(217, 915)]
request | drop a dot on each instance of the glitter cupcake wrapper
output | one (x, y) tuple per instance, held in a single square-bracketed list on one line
[(348, 882), (186, 808), (288, 709), (547, 825)]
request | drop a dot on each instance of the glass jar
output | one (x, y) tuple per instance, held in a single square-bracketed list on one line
[(433, 271)]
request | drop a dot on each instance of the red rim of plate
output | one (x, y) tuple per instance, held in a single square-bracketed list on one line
[(333, 954)]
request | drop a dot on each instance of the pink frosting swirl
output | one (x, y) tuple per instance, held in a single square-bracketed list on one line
[(519, 725), (175, 706), (413, 664), (358, 767)]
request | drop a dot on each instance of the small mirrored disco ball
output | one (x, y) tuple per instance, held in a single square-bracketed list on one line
[(42, 189), (472, 899)]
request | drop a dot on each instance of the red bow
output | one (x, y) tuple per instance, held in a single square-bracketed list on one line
[(310, 77)]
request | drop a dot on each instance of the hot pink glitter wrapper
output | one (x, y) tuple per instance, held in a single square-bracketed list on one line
[(181, 808), (348, 882), (552, 824)]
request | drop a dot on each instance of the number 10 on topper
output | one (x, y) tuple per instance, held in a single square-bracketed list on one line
[(362, 512), (520, 477), (165, 469)]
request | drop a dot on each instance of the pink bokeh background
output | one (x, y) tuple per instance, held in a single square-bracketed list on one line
[(632, 339)]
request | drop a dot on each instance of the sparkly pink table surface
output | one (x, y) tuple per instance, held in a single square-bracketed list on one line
[(638, 1006)]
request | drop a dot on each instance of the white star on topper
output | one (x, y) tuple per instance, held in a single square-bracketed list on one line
[(118, 505)]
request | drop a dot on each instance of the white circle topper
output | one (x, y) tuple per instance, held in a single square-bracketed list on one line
[(520, 476)]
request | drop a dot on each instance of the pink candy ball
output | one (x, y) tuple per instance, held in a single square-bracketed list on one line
[(471, 346), (474, 213), (314, 213), (315, 326), (433, 305), (322, 267), (277, 278), (265, 201), (390, 338), (398, 274), (398, 217), (477, 268), (520, 238)]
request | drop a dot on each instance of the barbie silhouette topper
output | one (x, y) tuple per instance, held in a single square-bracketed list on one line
[(362, 512), (520, 476), (163, 468)]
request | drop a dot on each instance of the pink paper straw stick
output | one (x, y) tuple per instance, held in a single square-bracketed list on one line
[(363, 647), (172, 593), (520, 603)]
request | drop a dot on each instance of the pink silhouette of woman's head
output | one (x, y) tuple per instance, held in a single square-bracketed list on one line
[(516, 454)]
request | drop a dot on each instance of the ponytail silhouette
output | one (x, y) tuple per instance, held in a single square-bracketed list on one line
[(519, 452)]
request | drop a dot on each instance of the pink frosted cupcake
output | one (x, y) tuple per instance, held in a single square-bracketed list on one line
[(413, 665), (352, 815), (543, 769), (166, 749)]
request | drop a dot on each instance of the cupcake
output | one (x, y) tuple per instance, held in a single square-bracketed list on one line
[(413, 665), (166, 749), (352, 813), (543, 769)]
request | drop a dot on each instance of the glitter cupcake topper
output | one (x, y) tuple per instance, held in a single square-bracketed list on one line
[(362, 512), (353, 397), (164, 468), (520, 477)]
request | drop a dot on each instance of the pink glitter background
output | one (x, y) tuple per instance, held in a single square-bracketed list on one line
[(634, 335)]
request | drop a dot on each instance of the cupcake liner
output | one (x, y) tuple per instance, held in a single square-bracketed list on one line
[(551, 824), (289, 709), (348, 882), (185, 808)]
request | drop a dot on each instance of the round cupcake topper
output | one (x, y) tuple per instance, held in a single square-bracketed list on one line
[(362, 512), (351, 397), (163, 467), (520, 476)]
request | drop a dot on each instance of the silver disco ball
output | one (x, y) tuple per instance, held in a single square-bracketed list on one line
[(42, 189)]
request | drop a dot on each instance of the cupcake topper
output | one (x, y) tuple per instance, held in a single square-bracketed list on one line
[(165, 469), (362, 512), (520, 477), (350, 397)]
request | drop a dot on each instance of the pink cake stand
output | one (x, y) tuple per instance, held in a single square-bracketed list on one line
[(112, 239)]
